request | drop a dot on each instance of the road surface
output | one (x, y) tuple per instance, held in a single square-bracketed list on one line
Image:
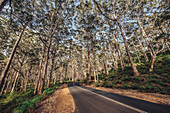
[(90, 100)]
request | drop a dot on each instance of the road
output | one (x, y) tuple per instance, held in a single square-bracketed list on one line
[(90, 100)]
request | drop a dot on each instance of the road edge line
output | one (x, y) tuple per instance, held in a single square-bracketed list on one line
[(125, 105)]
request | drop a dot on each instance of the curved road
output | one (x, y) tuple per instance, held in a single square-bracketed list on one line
[(90, 100)]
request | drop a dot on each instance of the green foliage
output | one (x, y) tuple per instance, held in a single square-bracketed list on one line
[(96, 84), (30, 103), (102, 85), (125, 86), (48, 91), (20, 99)]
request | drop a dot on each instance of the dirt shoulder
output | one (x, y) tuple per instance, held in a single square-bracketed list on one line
[(60, 102), (151, 97)]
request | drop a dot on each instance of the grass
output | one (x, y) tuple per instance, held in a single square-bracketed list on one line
[(19, 102)]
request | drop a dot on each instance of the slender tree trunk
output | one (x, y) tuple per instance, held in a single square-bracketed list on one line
[(119, 52), (16, 77), (89, 66), (152, 52), (9, 82), (135, 71), (65, 78), (45, 66), (27, 78), (51, 71), (4, 73), (2, 90), (143, 50), (74, 73), (97, 76), (38, 77), (152, 63), (136, 51), (94, 61), (104, 59), (111, 49)]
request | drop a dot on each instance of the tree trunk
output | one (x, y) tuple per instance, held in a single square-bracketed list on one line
[(2, 90), (38, 77), (9, 82), (119, 52), (4, 73), (135, 71), (16, 77), (45, 67), (143, 51), (152, 52), (136, 52), (27, 78), (111, 49), (94, 61), (51, 72), (152, 63), (89, 66), (65, 78), (104, 59)]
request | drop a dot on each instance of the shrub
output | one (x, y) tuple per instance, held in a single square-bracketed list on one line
[(96, 84), (108, 85), (102, 85), (23, 106), (48, 91), (125, 86)]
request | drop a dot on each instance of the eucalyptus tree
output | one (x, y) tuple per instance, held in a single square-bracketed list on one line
[(19, 20), (147, 15), (110, 11)]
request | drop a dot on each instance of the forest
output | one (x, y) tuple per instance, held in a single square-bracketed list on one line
[(108, 43)]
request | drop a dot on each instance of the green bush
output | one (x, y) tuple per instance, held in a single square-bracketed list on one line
[(96, 84), (108, 85), (23, 106), (125, 86), (48, 91), (20, 99), (102, 85)]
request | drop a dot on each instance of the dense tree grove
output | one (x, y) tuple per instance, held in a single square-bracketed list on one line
[(44, 41)]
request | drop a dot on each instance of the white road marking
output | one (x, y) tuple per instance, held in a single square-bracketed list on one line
[(133, 108)]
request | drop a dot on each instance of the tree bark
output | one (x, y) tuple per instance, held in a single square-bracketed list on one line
[(94, 61), (104, 59), (51, 72), (89, 66), (65, 77), (13, 87)]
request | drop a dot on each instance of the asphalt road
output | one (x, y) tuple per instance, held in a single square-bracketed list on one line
[(90, 100)]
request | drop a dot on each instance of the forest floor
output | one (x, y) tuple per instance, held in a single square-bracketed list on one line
[(151, 97), (60, 101)]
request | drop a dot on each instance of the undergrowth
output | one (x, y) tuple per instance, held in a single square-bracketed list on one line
[(20, 102), (156, 82)]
